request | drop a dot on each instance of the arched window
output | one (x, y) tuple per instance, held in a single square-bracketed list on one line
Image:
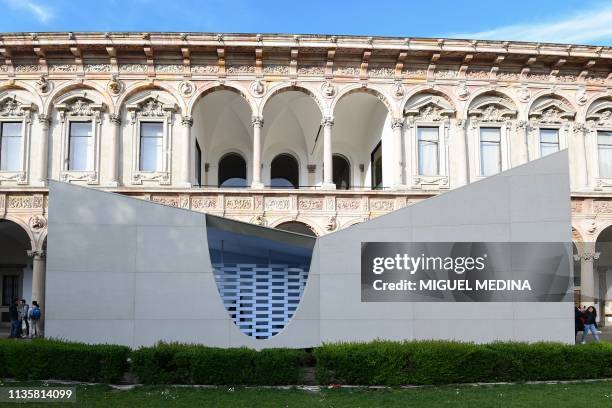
[(284, 172), (232, 171), (342, 172), (295, 226)]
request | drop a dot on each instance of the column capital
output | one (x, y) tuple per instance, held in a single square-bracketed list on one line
[(44, 120), (115, 119), (588, 256), (187, 121), (579, 128), (257, 121), (397, 123), (327, 121), (39, 253), (521, 124), (460, 123)]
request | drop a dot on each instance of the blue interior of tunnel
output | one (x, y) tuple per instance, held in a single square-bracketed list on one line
[(260, 273)]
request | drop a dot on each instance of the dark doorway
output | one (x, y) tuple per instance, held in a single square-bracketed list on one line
[(284, 172), (376, 165), (232, 171), (198, 164), (342, 172)]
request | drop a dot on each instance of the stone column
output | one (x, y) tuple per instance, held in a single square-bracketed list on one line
[(185, 173), (522, 129), (580, 158), (328, 164), (38, 282), (113, 158), (258, 123), (43, 149), (587, 275), (463, 169), (397, 125)]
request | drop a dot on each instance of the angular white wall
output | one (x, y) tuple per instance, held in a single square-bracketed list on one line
[(122, 270)]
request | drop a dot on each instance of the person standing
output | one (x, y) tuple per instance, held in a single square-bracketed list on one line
[(590, 324), (14, 317), (25, 308), (578, 321), (34, 317)]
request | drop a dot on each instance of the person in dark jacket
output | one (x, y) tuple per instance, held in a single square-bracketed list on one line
[(14, 317), (590, 324), (578, 320)]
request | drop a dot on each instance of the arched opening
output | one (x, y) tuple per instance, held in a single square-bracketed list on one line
[(342, 172), (602, 270), (360, 134), (260, 273), (284, 172), (15, 269), (298, 227), (292, 122), (232, 171), (221, 123)]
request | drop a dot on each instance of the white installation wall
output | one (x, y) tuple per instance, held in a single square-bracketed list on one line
[(127, 271)]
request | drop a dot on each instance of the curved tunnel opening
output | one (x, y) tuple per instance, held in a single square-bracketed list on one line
[(260, 273)]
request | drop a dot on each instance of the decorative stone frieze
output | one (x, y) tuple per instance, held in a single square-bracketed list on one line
[(238, 203)]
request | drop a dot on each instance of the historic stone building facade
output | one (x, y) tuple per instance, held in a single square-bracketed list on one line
[(309, 133)]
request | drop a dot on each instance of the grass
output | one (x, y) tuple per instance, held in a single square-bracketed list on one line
[(594, 394)]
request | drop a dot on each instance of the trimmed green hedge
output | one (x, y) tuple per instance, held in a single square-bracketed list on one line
[(52, 359), (444, 362), (192, 364), (375, 363)]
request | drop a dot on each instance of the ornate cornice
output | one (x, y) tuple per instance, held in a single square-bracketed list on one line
[(224, 55), (83, 40)]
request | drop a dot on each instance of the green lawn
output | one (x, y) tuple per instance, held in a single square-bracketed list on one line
[(597, 394)]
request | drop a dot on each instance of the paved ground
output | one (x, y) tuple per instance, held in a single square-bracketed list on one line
[(606, 335)]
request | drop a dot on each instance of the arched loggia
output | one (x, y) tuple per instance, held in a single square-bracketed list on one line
[(362, 134), (15, 268), (292, 125), (222, 132), (601, 279)]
